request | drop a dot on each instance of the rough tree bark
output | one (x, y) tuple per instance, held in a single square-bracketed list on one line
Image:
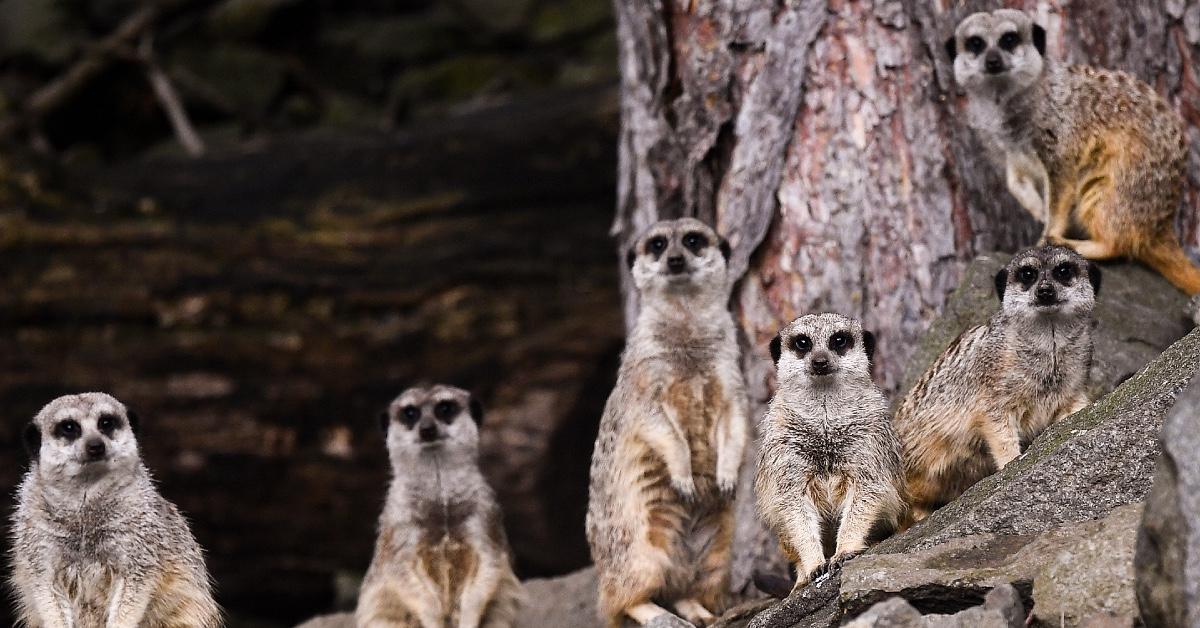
[(822, 138)]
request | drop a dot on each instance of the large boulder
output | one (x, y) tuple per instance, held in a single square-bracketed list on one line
[(1168, 548), (1071, 573)]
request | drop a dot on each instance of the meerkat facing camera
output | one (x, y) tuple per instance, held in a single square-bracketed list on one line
[(828, 454), (442, 557), (1081, 147), (94, 544), (667, 457), (999, 385)]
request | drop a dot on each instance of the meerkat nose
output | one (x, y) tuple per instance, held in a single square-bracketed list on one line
[(676, 264), (95, 449), (993, 63), (428, 432)]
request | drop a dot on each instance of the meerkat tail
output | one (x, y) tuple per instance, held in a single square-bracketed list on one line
[(1169, 259)]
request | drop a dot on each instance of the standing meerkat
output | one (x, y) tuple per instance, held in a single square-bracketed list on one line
[(94, 544), (1081, 147), (666, 461), (828, 455), (999, 385), (442, 558)]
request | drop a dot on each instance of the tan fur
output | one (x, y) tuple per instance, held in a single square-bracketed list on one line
[(997, 386), (1113, 151), (666, 461), (441, 558)]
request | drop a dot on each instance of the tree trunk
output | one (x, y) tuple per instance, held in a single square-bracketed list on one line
[(823, 138)]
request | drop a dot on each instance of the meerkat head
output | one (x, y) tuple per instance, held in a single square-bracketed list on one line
[(83, 437), (1002, 51), (683, 256), (1049, 281), (434, 419), (816, 349)]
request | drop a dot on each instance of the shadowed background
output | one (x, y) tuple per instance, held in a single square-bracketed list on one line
[(388, 192)]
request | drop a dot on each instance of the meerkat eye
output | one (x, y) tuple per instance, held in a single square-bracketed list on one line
[(1027, 275), (695, 242), (445, 411), (975, 44), (108, 423), (68, 429), (1010, 40), (841, 342), (1064, 272), (410, 414), (656, 245), (803, 344)]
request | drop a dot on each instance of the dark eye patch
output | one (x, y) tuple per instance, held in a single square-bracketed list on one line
[(409, 415), (445, 411), (108, 423), (1027, 275), (975, 44), (841, 342), (1065, 272), (802, 344), (656, 245), (695, 242), (68, 430), (1010, 40)]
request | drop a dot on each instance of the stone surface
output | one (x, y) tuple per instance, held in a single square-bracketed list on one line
[(1074, 571), (1168, 553), (1001, 608)]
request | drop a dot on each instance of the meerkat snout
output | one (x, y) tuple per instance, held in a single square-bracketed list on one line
[(678, 257), (435, 418), (997, 48)]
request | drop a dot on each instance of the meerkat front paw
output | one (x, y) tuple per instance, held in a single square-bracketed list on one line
[(841, 558), (685, 487), (728, 488)]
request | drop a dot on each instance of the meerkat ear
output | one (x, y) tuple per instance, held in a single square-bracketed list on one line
[(1001, 283), (630, 257), (952, 49), (869, 344), (384, 421), (1094, 277), (776, 348), (476, 410), (726, 251), (1039, 39), (33, 441), (135, 422)]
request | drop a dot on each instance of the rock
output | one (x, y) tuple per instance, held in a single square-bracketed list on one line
[(1130, 295), (1070, 573), (565, 601), (1168, 548), (1001, 608), (668, 621)]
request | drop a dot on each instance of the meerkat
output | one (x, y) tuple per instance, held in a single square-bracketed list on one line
[(93, 543), (666, 461), (999, 385), (441, 558), (828, 456), (1081, 147)]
